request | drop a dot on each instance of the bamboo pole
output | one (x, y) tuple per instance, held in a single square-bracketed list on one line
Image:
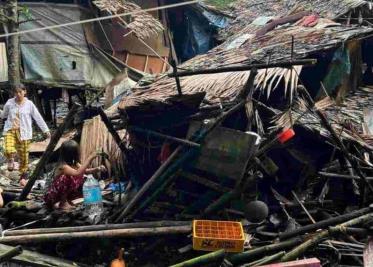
[(30, 258), (88, 228), (265, 250), (11, 254), (268, 259), (164, 136), (342, 176), (282, 64), (48, 152), (319, 237), (325, 223), (104, 234), (205, 259)]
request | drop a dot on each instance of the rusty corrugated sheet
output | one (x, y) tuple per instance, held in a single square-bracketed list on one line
[(3, 63)]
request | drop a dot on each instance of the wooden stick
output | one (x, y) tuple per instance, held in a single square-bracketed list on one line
[(104, 234), (11, 254), (48, 152), (202, 260), (88, 228), (282, 64), (319, 237), (166, 137), (303, 207), (325, 223)]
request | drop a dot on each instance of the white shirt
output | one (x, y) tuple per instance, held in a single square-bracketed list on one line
[(27, 111)]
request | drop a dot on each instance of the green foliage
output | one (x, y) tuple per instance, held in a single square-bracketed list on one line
[(24, 11)]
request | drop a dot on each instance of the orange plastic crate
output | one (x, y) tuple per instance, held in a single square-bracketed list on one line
[(216, 235)]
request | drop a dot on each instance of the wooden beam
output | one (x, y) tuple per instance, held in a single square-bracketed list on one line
[(281, 64), (166, 137)]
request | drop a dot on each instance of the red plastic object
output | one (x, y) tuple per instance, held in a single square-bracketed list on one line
[(285, 136), (301, 263)]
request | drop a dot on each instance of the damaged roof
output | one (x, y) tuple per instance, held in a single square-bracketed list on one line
[(244, 49), (246, 11), (352, 119)]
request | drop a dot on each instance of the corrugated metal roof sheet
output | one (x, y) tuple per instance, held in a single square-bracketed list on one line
[(3, 63)]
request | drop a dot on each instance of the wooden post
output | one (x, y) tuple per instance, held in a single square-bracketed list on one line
[(13, 45), (48, 152), (283, 64)]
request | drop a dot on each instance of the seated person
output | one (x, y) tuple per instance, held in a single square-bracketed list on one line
[(69, 176)]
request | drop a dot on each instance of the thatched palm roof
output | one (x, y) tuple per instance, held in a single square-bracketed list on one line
[(143, 24), (347, 118), (243, 49), (246, 11)]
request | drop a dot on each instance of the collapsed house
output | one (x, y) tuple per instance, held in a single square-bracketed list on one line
[(157, 107), (207, 141)]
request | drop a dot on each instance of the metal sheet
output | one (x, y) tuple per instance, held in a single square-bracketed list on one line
[(62, 55)]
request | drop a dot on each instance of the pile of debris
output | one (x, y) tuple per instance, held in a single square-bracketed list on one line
[(271, 130)]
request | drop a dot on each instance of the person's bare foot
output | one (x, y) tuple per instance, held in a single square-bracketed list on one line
[(23, 182)]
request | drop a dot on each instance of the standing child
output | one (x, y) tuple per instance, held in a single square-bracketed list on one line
[(18, 113), (69, 176)]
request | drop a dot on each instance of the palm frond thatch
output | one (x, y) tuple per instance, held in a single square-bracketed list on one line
[(142, 24)]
